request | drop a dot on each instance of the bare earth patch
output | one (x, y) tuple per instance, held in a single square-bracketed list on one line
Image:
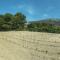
[(24, 45)]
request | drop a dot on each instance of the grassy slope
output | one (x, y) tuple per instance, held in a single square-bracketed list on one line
[(22, 45)]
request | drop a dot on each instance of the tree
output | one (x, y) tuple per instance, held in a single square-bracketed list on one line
[(19, 21), (1, 23), (8, 17), (9, 21)]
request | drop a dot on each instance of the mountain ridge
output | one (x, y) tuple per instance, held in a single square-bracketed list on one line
[(53, 21)]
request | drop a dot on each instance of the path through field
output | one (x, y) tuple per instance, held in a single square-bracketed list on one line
[(24, 45)]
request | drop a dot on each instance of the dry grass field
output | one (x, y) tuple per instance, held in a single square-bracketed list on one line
[(24, 45)]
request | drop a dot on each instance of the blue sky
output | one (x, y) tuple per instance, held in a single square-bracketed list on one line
[(33, 9)]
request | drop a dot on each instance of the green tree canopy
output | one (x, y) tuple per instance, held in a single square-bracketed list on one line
[(9, 21)]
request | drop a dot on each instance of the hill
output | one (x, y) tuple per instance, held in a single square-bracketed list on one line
[(53, 21)]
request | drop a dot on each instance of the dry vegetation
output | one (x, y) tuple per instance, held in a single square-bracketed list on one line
[(24, 45)]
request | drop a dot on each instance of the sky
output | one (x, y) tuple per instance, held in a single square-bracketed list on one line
[(33, 9)]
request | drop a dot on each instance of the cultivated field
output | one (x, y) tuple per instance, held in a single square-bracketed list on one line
[(24, 45)]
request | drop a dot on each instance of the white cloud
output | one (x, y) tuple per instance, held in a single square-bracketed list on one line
[(20, 6), (30, 10), (45, 15), (26, 8)]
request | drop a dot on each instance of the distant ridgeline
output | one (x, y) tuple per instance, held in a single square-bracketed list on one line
[(17, 22), (47, 25)]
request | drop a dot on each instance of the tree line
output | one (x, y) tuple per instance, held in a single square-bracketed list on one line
[(51, 26), (9, 21), (18, 22)]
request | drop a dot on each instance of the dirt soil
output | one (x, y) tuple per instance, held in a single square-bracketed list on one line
[(24, 45)]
